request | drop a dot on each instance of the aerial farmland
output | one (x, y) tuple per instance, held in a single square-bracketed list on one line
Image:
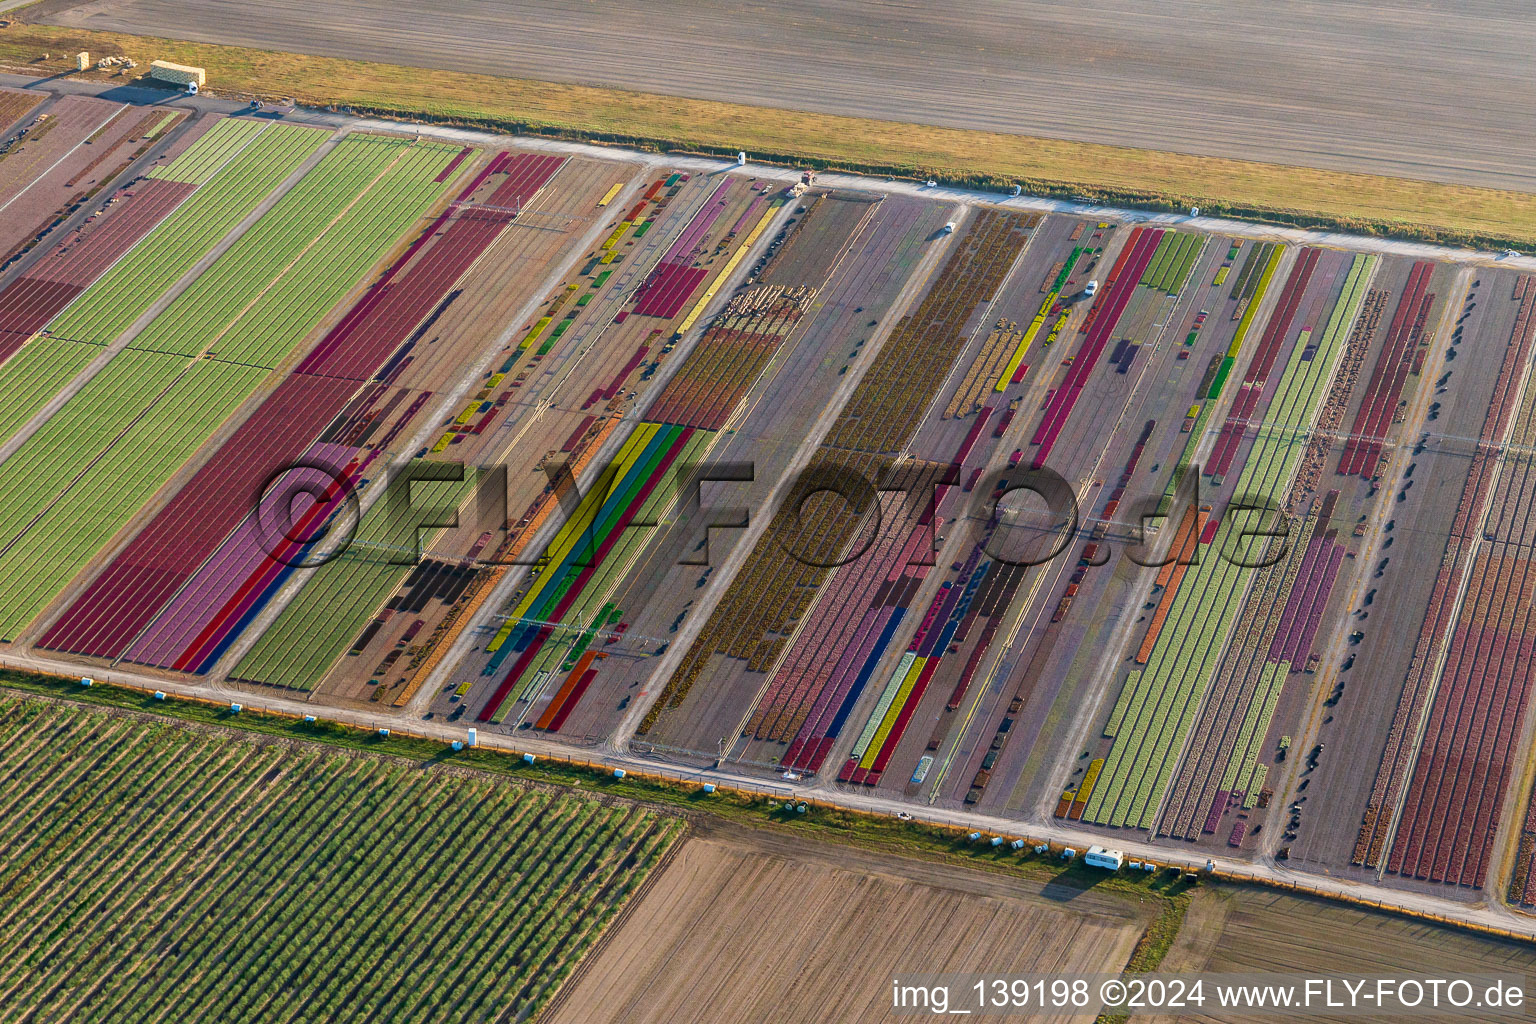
[(1203, 540)]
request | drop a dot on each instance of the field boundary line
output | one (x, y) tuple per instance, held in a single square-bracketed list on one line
[(1458, 915), (614, 925)]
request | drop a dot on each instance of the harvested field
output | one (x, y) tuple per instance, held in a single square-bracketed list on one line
[(173, 879), (1256, 931), (838, 922), (1411, 91), (1289, 193)]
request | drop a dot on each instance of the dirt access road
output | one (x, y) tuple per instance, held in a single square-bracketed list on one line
[(1395, 87)]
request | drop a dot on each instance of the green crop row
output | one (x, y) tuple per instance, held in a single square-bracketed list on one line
[(83, 461), (1284, 433), (1243, 286), (152, 873), (204, 157), (110, 306), (1123, 705), (1267, 258), (63, 447), (1170, 264), (1144, 750), (342, 595), (1250, 736), (1159, 256), (1171, 276), (262, 296), (1280, 444), (131, 286), (34, 375), (1157, 717), (104, 486)]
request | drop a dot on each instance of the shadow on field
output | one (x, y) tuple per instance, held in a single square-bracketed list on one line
[(1076, 879)]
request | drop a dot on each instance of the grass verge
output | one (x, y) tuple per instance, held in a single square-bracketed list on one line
[(874, 832), (1155, 942), (1361, 203)]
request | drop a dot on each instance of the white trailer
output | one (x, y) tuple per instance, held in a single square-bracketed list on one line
[(1099, 857)]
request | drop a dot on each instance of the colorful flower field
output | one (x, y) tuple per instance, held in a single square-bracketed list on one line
[(1160, 527)]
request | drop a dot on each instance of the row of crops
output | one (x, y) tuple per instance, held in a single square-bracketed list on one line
[(1451, 812), (33, 376), (774, 587), (185, 585), (157, 873), (551, 624), (596, 547), (1171, 263), (245, 177), (265, 292), (1129, 270), (76, 480), (1465, 543), (208, 155), (1285, 601), (1161, 702), (64, 498), (587, 556), (341, 597), (252, 164), (310, 632), (76, 260)]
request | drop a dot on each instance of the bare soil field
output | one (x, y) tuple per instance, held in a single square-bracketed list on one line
[(747, 926), (1257, 931), (1398, 88)]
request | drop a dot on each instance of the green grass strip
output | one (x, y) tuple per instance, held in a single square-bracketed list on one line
[(1260, 287), (204, 157), (262, 296), (1123, 705), (1165, 245), (1178, 273), (1255, 725), (1221, 377)]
